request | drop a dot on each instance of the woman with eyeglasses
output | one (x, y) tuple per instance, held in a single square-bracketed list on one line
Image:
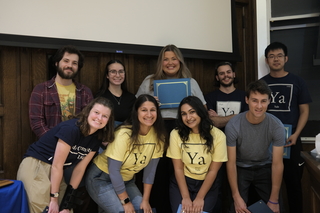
[(114, 88)]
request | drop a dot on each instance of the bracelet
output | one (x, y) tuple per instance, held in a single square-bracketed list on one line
[(273, 202)]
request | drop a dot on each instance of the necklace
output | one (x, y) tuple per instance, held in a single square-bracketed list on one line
[(117, 99)]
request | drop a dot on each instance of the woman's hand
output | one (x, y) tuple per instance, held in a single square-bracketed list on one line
[(186, 205), (128, 208), (53, 206), (146, 207), (197, 205), (65, 211)]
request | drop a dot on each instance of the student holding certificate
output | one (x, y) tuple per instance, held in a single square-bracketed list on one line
[(170, 65), (197, 150)]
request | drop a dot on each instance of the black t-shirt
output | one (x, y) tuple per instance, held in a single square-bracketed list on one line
[(69, 132)]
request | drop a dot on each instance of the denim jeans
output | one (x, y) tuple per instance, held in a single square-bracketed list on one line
[(101, 190)]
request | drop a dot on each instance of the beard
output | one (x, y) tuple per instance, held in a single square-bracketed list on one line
[(63, 75), (227, 85)]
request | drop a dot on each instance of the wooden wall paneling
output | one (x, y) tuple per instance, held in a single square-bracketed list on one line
[(246, 70), (90, 73), (27, 137), (2, 52), (209, 75), (143, 66), (11, 112), (130, 73)]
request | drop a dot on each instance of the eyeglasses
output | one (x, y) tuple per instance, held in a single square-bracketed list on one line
[(115, 72), (276, 56)]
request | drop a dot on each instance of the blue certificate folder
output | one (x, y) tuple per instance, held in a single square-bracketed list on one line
[(260, 207), (170, 92), (141, 211), (180, 209), (286, 150)]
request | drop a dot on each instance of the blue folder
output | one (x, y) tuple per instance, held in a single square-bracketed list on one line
[(170, 92), (260, 207), (286, 150), (180, 209), (141, 211)]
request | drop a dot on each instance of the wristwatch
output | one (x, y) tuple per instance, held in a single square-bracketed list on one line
[(125, 201), (54, 194)]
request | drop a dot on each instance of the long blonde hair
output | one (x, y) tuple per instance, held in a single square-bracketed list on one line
[(183, 72)]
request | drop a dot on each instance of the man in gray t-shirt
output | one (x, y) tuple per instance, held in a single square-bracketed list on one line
[(255, 141)]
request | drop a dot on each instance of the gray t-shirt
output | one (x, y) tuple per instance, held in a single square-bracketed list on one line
[(253, 141)]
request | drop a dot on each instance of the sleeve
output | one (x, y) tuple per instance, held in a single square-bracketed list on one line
[(279, 134), (70, 135), (196, 91), (220, 146), (231, 133), (36, 112), (88, 97), (144, 87), (115, 176), (150, 171), (118, 148), (174, 150), (208, 98)]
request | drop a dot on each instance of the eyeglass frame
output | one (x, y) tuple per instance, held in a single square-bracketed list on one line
[(115, 72), (280, 56)]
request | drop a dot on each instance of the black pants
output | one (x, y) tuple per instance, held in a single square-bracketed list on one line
[(292, 174), (194, 186)]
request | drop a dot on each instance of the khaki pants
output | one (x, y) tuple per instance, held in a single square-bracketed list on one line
[(35, 175)]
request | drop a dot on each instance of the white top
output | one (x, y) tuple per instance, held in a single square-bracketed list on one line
[(170, 113)]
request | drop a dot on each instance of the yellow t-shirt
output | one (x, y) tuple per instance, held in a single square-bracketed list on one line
[(194, 155), (67, 96), (133, 160)]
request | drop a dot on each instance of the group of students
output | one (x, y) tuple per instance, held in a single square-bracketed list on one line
[(138, 136)]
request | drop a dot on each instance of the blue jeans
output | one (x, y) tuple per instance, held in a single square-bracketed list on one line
[(101, 190)]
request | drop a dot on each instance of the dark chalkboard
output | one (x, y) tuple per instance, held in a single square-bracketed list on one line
[(294, 7)]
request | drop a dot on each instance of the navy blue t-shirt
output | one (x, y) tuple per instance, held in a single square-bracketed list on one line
[(288, 93), (69, 132)]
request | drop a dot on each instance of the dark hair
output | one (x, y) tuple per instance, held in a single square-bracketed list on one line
[(104, 134), (258, 86), (223, 63), (106, 81), (69, 49), (276, 46), (205, 124), (158, 125)]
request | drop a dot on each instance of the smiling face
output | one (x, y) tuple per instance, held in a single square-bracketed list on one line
[(190, 118), (225, 75), (67, 68), (98, 117), (147, 115), (258, 104), (276, 60), (170, 64), (116, 74)]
